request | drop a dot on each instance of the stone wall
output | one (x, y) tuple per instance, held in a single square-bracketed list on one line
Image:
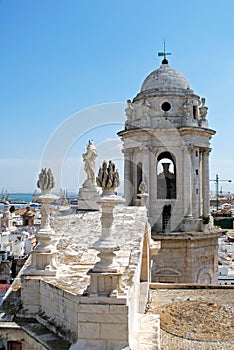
[(187, 258), (32, 336), (98, 322), (15, 333), (53, 307), (102, 324), (65, 305)]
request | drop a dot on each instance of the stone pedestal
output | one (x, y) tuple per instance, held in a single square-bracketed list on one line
[(143, 198), (43, 264), (43, 258), (104, 284), (106, 245), (88, 196), (105, 276)]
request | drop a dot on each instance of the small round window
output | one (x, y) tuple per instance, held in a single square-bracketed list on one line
[(166, 106)]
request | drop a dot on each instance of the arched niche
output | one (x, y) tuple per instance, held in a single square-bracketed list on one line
[(204, 276), (166, 275), (166, 176)]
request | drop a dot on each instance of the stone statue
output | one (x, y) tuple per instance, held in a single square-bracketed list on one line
[(188, 107), (129, 109), (108, 176), (145, 107), (46, 180), (203, 109), (129, 114), (89, 158)]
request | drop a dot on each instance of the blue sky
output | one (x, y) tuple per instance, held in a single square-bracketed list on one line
[(59, 57)]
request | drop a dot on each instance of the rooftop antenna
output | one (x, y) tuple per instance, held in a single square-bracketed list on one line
[(164, 53)]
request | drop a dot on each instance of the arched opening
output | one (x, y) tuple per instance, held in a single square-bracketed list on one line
[(204, 276), (139, 175), (166, 216), (166, 176)]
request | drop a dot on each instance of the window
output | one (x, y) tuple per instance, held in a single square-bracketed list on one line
[(194, 112), (139, 175), (14, 345), (166, 106)]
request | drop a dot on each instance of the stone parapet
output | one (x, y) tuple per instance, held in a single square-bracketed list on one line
[(87, 321)]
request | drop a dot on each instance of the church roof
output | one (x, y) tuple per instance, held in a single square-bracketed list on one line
[(165, 78)]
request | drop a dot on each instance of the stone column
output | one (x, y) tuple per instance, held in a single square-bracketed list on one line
[(206, 182), (196, 183), (128, 177), (105, 277), (201, 181), (44, 255), (106, 245), (188, 181), (152, 190), (145, 149)]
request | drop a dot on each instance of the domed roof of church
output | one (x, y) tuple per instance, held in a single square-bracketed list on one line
[(165, 78)]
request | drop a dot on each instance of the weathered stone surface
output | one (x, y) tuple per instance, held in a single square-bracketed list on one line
[(219, 296), (83, 320), (186, 257), (75, 253)]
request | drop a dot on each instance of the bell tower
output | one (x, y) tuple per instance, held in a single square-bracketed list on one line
[(166, 144)]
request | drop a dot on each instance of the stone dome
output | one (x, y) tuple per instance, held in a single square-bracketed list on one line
[(165, 79)]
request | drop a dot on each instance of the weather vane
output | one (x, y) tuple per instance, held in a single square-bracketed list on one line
[(164, 53)]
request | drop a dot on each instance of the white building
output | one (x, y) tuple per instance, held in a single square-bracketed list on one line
[(226, 275), (226, 262), (166, 144)]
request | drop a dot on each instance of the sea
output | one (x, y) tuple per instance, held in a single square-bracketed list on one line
[(19, 197), (19, 200)]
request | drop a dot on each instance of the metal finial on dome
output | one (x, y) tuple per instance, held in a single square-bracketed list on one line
[(164, 54)]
